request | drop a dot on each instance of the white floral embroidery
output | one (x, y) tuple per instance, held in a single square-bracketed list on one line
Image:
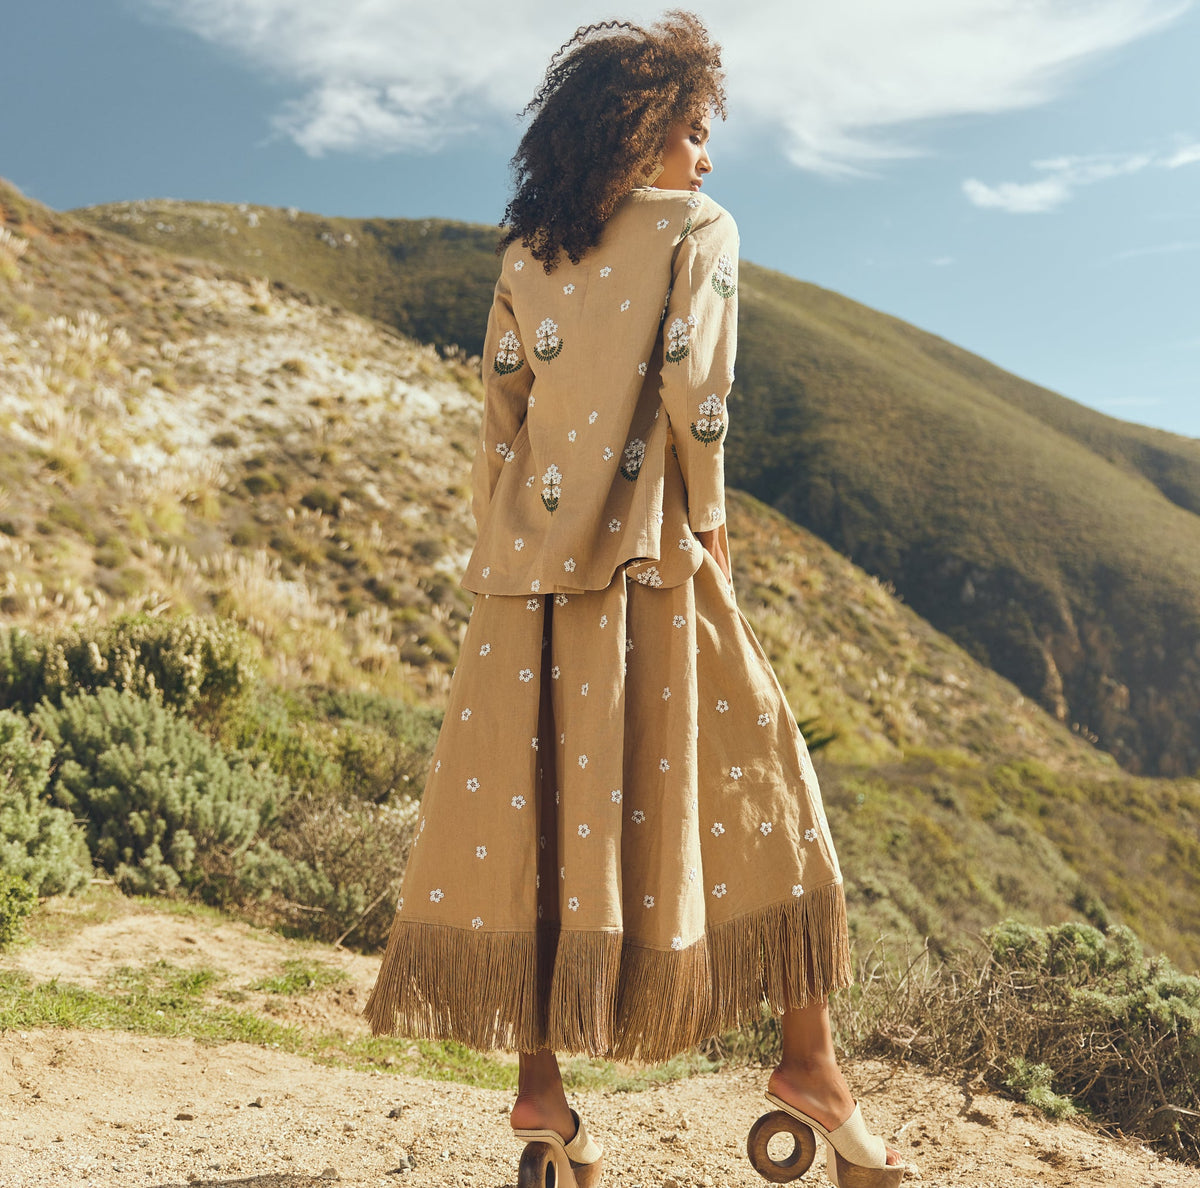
[(615, 796), (583, 761), (535, 585), (436, 895), (487, 570), (573, 903), (677, 943), (603, 620), (551, 488), (400, 904), (481, 851), (518, 544), (583, 689), (625, 305), (510, 455), (473, 784), (518, 802), (531, 480), (764, 719), (571, 435), (664, 765), (797, 890), (526, 674), (568, 289), (685, 544), (693, 202), (722, 705), (605, 270), (650, 577), (476, 921), (648, 901), (719, 890), (691, 874), (637, 816), (465, 714), (531, 401), (679, 621), (717, 829), (532, 604), (679, 338), (556, 672), (810, 835), (437, 766), (723, 279), (518, 265), (569, 565), (584, 830), (501, 447), (614, 525), (735, 773), (709, 426), (663, 224), (485, 649), (608, 454), (641, 369), (765, 827), (533, 742), (666, 692), (592, 417), (549, 345)]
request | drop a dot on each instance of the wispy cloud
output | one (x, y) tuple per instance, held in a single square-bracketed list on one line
[(1160, 249), (1065, 175), (839, 85)]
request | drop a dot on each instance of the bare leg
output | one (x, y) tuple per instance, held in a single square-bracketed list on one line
[(808, 1075), (541, 1103)]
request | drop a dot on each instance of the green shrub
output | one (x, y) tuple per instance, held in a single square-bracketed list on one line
[(40, 845), (17, 900), (334, 864), (196, 665), (166, 808)]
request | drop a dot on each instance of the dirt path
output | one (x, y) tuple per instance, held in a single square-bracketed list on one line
[(83, 1108)]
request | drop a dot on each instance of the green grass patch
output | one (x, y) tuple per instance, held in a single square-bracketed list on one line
[(301, 977)]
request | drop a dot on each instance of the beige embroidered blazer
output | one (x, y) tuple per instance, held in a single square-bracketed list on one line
[(604, 415)]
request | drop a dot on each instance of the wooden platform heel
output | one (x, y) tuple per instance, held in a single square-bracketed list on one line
[(855, 1158), (548, 1162)]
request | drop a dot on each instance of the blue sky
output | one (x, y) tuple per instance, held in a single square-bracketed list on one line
[(1021, 177)]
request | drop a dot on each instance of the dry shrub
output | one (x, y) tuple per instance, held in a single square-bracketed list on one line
[(1066, 1016)]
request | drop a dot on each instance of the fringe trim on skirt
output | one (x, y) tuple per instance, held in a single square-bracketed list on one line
[(594, 994)]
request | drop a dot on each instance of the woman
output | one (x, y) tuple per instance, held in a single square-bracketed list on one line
[(622, 848)]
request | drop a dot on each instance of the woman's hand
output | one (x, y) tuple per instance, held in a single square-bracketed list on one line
[(715, 541)]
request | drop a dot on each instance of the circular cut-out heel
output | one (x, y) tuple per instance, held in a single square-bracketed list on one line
[(804, 1147), (540, 1169)]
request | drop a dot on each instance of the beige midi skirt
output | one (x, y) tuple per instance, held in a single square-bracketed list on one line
[(622, 848)]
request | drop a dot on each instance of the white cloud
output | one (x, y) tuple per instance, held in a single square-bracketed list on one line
[(1066, 175), (1160, 249), (837, 84)]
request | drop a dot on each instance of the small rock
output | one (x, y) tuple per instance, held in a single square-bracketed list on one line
[(395, 1111), (330, 1173), (672, 1137), (185, 1117), (672, 1182), (349, 1127), (258, 1101)]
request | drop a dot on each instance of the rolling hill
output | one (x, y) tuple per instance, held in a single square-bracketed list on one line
[(1060, 546), (176, 434)]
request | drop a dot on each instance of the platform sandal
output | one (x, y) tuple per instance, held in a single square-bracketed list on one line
[(548, 1162), (854, 1157)]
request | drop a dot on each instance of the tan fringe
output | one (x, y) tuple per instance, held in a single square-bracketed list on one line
[(583, 994), (604, 996), (479, 988)]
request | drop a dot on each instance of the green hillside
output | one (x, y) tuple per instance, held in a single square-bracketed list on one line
[(179, 436), (1058, 545)]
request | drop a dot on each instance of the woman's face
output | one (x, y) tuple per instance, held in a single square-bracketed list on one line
[(685, 155)]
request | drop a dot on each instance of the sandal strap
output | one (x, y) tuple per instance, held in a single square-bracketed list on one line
[(582, 1148), (852, 1140)]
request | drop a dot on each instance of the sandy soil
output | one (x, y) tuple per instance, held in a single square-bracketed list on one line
[(100, 1108)]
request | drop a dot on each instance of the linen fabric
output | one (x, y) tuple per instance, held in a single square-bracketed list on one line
[(604, 411), (622, 848)]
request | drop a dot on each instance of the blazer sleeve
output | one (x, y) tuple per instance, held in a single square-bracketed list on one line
[(699, 345), (507, 378)]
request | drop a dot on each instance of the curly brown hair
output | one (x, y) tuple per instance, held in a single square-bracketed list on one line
[(601, 119)]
